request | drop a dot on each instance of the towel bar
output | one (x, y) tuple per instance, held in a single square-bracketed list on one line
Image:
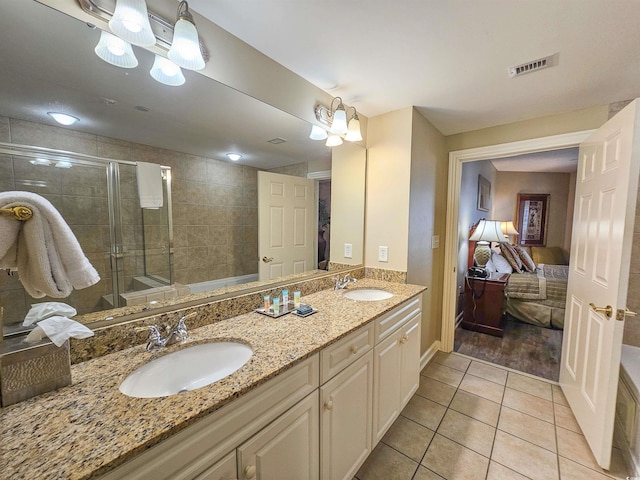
[(19, 213)]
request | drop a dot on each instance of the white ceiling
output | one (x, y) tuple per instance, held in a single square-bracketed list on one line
[(449, 58)]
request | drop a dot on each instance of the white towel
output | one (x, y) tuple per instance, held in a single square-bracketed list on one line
[(149, 184), (43, 250)]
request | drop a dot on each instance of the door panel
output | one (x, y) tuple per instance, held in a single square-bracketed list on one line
[(606, 190)]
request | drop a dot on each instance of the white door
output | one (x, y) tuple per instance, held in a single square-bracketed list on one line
[(606, 191), (286, 220)]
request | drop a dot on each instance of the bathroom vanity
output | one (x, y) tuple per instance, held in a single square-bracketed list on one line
[(313, 401)]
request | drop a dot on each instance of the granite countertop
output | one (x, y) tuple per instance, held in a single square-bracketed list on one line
[(87, 429)]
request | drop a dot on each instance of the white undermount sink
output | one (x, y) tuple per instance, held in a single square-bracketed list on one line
[(186, 369), (368, 294)]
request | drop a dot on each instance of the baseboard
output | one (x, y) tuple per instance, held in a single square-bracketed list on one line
[(429, 354)]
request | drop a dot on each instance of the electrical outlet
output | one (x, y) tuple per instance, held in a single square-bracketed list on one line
[(348, 250), (383, 253)]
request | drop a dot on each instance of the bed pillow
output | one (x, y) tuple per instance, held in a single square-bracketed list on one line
[(500, 263), (511, 255), (490, 267), (527, 262)]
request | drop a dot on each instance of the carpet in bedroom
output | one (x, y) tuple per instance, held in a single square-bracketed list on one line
[(526, 348)]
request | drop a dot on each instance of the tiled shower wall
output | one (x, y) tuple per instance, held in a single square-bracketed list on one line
[(214, 210)]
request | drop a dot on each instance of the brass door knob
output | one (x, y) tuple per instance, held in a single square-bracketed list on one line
[(267, 259), (608, 310)]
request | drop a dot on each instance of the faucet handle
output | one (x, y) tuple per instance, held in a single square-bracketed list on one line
[(155, 338)]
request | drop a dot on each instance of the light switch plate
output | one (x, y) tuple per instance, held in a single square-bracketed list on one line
[(348, 250), (383, 253), (435, 241)]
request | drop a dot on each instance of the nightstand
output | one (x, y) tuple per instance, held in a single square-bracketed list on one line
[(483, 304)]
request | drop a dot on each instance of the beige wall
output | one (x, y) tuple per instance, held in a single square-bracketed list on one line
[(577, 121), (348, 188), (387, 195), (427, 218), (558, 185)]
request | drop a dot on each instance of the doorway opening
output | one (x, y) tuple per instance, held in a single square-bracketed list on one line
[(515, 316), (456, 264)]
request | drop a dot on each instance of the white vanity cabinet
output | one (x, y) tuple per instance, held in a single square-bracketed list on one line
[(396, 365)]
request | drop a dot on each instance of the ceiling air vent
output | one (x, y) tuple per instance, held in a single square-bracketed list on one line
[(533, 66), (277, 140)]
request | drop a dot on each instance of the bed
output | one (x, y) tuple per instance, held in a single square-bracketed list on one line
[(538, 297)]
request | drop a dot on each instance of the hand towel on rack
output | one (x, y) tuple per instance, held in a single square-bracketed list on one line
[(43, 250), (149, 184)]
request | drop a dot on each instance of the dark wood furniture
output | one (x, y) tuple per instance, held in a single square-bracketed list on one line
[(483, 304)]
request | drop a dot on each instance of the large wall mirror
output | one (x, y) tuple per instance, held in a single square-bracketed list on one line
[(206, 236)]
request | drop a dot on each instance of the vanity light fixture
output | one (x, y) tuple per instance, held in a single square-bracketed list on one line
[(63, 118), (185, 47), (115, 51), (336, 121), (234, 157), (130, 22), (63, 164), (40, 161), (166, 72)]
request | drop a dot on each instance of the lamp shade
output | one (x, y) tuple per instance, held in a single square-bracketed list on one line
[(185, 48), (508, 228), (130, 22), (167, 72), (333, 141), (353, 133), (488, 231), (318, 133), (115, 51), (339, 122)]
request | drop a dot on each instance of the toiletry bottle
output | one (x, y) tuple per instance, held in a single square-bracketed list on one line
[(285, 299), (267, 302), (296, 299), (276, 305)]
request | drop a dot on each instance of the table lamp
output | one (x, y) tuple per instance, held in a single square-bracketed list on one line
[(486, 232)]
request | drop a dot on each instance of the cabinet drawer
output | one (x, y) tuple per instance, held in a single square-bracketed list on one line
[(344, 352), (390, 321), (224, 469)]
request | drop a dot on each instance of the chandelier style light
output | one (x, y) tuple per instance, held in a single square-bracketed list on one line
[(335, 119)]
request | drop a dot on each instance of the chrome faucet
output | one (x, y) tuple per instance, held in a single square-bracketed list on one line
[(342, 284), (177, 334)]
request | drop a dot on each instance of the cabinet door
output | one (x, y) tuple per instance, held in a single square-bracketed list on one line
[(287, 449), (386, 386), (224, 469), (410, 359), (345, 426)]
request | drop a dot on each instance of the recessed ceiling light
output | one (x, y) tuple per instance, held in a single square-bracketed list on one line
[(40, 161), (234, 157), (63, 118)]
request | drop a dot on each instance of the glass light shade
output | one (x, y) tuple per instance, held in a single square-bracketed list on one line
[(234, 157), (353, 133), (115, 51), (487, 231), (333, 141), (63, 164), (40, 161), (167, 72), (63, 118), (130, 22), (185, 48), (339, 122), (318, 133)]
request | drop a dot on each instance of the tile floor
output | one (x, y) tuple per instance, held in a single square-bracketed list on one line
[(474, 420)]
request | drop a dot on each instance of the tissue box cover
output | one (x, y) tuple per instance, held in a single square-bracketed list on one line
[(27, 371)]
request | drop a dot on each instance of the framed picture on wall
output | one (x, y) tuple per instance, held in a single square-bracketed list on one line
[(484, 194), (532, 219)]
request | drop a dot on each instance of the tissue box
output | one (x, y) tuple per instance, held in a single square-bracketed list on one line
[(27, 371)]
